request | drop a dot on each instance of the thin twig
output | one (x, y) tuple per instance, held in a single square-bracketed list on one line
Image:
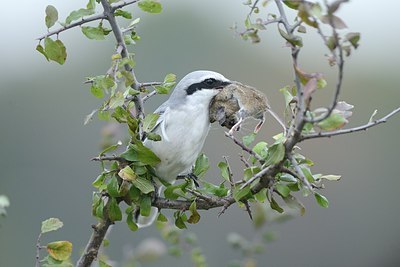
[(86, 20), (108, 12), (300, 173), (147, 84), (351, 130), (247, 205), (255, 177), (38, 247), (337, 90), (230, 174), (73, 25), (245, 148), (109, 158), (146, 97)]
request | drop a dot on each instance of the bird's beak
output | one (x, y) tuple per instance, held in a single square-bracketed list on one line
[(223, 85)]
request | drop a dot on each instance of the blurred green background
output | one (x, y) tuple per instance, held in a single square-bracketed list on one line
[(45, 166)]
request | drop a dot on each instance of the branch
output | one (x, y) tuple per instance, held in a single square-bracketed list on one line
[(298, 123), (38, 247), (93, 246), (245, 148), (300, 173), (340, 65), (109, 13), (86, 20), (109, 158), (73, 25), (351, 130)]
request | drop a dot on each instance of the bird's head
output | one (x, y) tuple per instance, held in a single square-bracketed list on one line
[(199, 87)]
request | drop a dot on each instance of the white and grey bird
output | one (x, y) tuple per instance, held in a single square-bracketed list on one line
[(183, 126)]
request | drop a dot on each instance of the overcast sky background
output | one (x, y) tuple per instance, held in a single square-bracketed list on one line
[(45, 149)]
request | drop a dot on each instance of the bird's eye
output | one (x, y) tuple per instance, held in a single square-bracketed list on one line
[(209, 81)]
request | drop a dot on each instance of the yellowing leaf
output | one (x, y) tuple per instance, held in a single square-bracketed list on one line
[(60, 250), (194, 215), (127, 174)]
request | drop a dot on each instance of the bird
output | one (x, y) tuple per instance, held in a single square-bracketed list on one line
[(237, 102), (183, 125)]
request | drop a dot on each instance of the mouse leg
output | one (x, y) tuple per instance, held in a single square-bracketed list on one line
[(259, 125), (236, 126)]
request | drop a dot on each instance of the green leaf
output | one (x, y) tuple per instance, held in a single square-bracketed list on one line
[(150, 6), (223, 166), (248, 139), (201, 166), (153, 137), (51, 224), (175, 191), (238, 193), (261, 149), (287, 178), (113, 187), (145, 206), (307, 173), (123, 13), (334, 21), (170, 78), (293, 39), (77, 14), (51, 16), (60, 250), (150, 121), (134, 22), (40, 49), (293, 203), (283, 190), (333, 122), (276, 153), (99, 180), (145, 155), (161, 218), (287, 95), (179, 220), (211, 189), (117, 100), (127, 174), (194, 215), (131, 224), (102, 263), (353, 38), (293, 4), (275, 206), (91, 4), (162, 90), (134, 193), (55, 50), (94, 33), (114, 212), (331, 177), (99, 209), (144, 185), (96, 91), (321, 200), (103, 115)]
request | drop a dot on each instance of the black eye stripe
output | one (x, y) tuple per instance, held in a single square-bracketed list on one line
[(210, 83)]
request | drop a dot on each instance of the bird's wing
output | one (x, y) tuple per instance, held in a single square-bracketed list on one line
[(161, 125)]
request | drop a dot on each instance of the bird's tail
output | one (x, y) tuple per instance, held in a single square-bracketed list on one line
[(143, 221)]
